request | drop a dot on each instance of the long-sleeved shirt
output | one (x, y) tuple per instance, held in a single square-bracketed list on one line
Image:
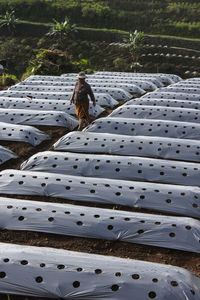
[(81, 92)]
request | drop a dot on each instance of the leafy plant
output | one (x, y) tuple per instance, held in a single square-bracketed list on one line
[(120, 64), (82, 64), (135, 45), (9, 20), (49, 62), (62, 30), (136, 66), (8, 79)]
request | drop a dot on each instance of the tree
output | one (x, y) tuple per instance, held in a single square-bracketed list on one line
[(135, 44), (9, 20), (62, 30)]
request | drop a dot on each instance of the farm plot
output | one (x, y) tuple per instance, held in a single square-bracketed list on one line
[(131, 88), (164, 102), (6, 154), (22, 109), (159, 112), (115, 167), (116, 93), (145, 146), (152, 79), (78, 273), (165, 78), (111, 190), (146, 127), (43, 104), (38, 117), (145, 85), (172, 94), (102, 99), (175, 199), (101, 223), (15, 137)]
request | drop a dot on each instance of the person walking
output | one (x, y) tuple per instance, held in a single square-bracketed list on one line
[(80, 98)]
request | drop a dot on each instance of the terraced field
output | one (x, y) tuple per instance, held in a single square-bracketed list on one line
[(179, 18), (111, 212)]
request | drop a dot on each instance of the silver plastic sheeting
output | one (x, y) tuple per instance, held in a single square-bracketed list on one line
[(164, 102), (195, 80), (102, 99), (115, 167), (109, 78), (33, 117), (43, 78), (191, 87), (40, 88), (53, 273), (174, 77), (20, 133), (172, 95), (174, 199), (6, 154), (145, 85), (195, 84), (165, 78), (184, 84), (142, 84), (159, 147), (41, 104), (131, 88), (154, 80), (146, 127), (176, 89), (37, 95), (73, 220), (159, 112), (116, 93), (50, 82)]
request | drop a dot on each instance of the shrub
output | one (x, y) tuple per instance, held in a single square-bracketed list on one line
[(49, 62), (120, 64), (8, 79)]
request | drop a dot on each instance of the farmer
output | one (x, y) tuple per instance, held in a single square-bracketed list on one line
[(80, 98)]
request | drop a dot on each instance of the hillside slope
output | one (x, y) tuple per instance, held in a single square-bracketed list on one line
[(166, 17)]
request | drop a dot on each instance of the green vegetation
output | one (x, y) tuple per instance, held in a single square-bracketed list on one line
[(9, 21), (42, 56), (49, 62), (17, 50), (42, 40), (135, 44), (7, 80), (171, 17), (61, 31)]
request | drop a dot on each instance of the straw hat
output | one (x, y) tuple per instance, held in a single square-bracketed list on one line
[(81, 75)]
